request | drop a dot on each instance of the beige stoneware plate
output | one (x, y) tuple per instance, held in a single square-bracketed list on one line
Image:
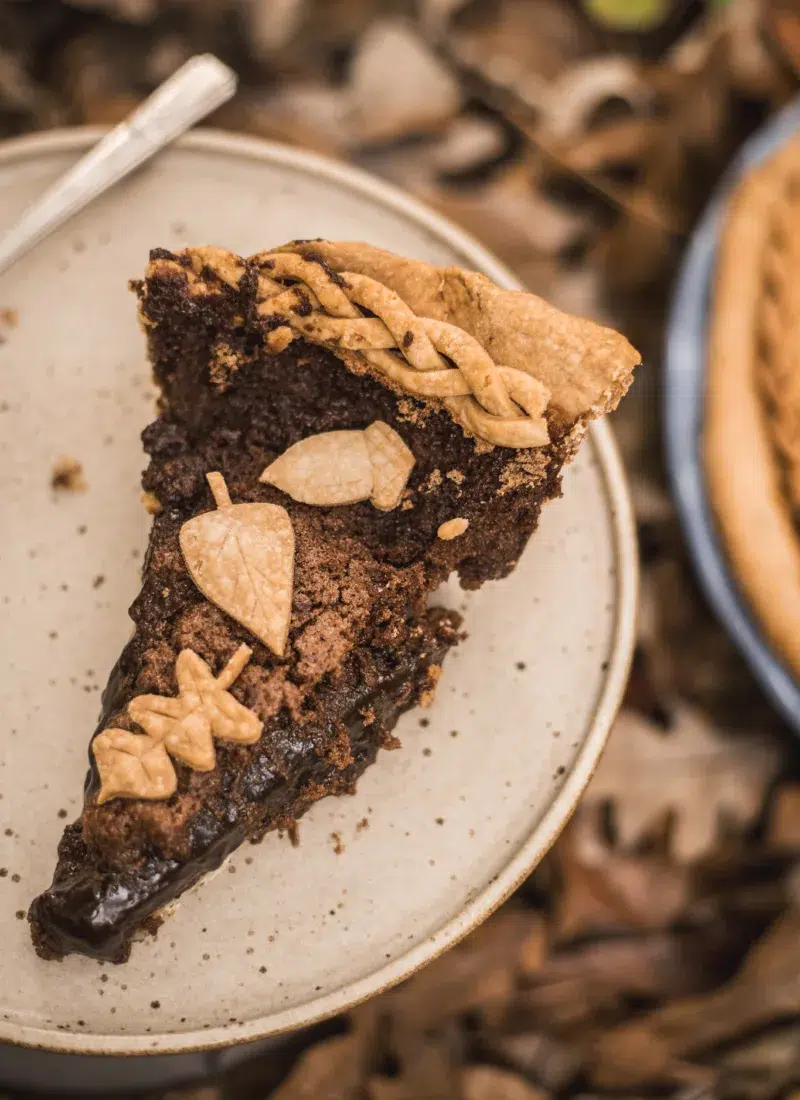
[(486, 778)]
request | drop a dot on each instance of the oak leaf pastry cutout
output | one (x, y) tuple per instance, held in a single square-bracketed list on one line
[(203, 709), (133, 765), (241, 557), (344, 467)]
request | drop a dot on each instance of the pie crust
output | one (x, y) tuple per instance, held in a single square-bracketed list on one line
[(752, 414)]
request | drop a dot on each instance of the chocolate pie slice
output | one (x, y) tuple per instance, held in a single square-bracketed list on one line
[(339, 430)]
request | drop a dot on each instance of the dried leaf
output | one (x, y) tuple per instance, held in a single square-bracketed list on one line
[(427, 1065), (272, 24), (20, 92), (311, 114), (436, 14), (690, 771), (602, 889), (621, 145), (202, 1092), (640, 1058), (392, 462), (132, 766), (516, 219), (522, 45), (579, 93), (783, 831), (471, 143), (533, 950), (387, 1088), (784, 24), (491, 1083), (329, 1070), (654, 1049), (550, 1063), (469, 976), (382, 106), (390, 1088), (133, 11), (326, 469), (204, 709), (241, 557), (684, 650), (596, 979), (761, 1067)]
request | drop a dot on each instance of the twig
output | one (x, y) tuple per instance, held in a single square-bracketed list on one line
[(507, 102)]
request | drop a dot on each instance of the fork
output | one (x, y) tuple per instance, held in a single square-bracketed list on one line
[(201, 85)]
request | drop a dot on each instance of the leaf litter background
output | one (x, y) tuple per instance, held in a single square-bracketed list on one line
[(657, 950)]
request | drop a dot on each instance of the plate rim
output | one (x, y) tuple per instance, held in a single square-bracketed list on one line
[(541, 838), (685, 368)]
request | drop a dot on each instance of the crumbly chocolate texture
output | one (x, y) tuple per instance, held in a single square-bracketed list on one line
[(361, 639)]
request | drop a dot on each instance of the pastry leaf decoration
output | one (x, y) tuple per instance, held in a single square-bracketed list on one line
[(241, 557), (203, 710), (325, 469), (344, 467), (133, 765)]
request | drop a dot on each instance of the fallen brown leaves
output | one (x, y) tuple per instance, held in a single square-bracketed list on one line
[(330, 1070), (656, 1048), (685, 777), (783, 832), (602, 888), (600, 147)]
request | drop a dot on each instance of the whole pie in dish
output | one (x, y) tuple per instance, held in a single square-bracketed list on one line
[(752, 415), (339, 430)]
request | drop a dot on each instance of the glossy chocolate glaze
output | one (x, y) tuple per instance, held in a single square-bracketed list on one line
[(98, 911)]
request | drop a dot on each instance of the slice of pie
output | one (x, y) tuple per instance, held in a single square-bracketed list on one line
[(339, 430)]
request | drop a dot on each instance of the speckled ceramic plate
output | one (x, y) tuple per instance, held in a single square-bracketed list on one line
[(439, 833)]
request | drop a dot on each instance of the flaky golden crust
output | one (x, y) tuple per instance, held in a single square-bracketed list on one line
[(586, 368), (752, 424), (504, 363)]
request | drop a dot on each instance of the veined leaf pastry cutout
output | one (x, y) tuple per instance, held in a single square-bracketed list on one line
[(241, 557)]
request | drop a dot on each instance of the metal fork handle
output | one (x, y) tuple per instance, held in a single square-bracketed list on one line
[(193, 91)]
